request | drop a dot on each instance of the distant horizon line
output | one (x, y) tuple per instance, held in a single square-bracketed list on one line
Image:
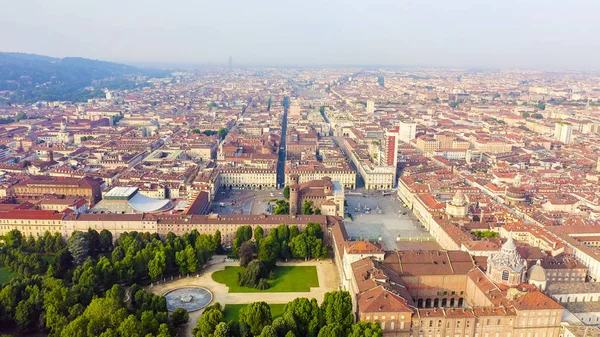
[(225, 65)]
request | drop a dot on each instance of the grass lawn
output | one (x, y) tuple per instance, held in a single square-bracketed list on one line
[(5, 275), (232, 311), (287, 279)]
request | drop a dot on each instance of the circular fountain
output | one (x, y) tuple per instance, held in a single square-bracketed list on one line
[(190, 299)]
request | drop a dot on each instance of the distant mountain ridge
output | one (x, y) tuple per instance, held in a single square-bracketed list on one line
[(31, 77)]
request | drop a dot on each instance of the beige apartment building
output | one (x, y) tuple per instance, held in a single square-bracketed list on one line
[(247, 177), (345, 175), (492, 146), (117, 224), (31, 222), (426, 144)]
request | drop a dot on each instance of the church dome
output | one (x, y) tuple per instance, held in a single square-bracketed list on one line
[(508, 256), (458, 199), (537, 273)]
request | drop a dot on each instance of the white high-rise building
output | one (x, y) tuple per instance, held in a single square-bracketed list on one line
[(370, 107), (407, 131), (563, 132)]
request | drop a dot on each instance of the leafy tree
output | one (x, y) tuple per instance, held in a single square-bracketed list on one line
[(208, 321), (195, 131), (337, 309), (246, 253), (259, 233), (131, 327), (217, 241), (244, 233), (252, 275), (94, 242), (157, 266), (106, 241), (262, 284), (13, 238), (305, 315), (281, 207), (294, 231), (301, 247), (286, 192), (526, 114), (366, 329), (283, 233), (79, 247), (222, 330), (331, 330), (281, 327), (256, 315), (268, 331), (268, 252), (307, 207), (285, 251), (541, 106), (23, 315), (192, 260), (163, 331), (181, 261)]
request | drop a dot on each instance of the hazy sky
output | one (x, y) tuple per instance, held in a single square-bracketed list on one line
[(464, 33)]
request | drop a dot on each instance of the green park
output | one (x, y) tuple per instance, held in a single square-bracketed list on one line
[(286, 279), (5, 275)]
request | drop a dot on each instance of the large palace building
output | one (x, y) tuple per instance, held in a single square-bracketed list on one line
[(38, 186), (441, 293), (431, 293), (325, 194)]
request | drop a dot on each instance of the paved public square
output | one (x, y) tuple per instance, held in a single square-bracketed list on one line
[(238, 201), (375, 215)]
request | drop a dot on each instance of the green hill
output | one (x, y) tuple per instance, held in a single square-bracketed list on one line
[(31, 78)]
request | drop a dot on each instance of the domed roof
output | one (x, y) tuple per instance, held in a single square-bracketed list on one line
[(507, 256), (509, 244), (537, 273), (515, 190), (458, 199)]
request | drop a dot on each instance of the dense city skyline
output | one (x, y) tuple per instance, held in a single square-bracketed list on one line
[(465, 33), (320, 169)]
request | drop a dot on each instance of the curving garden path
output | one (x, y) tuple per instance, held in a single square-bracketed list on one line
[(326, 271)]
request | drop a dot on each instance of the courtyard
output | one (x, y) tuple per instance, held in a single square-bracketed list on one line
[(325, 280)]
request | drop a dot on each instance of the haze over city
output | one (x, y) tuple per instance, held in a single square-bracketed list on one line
[(462, 33), (299, 169)]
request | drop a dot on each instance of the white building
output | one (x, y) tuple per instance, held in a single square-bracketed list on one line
[(407, 131), (563, 132), (370, 107)]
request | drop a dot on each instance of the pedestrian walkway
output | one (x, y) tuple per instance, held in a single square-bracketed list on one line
[(326, 271)]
